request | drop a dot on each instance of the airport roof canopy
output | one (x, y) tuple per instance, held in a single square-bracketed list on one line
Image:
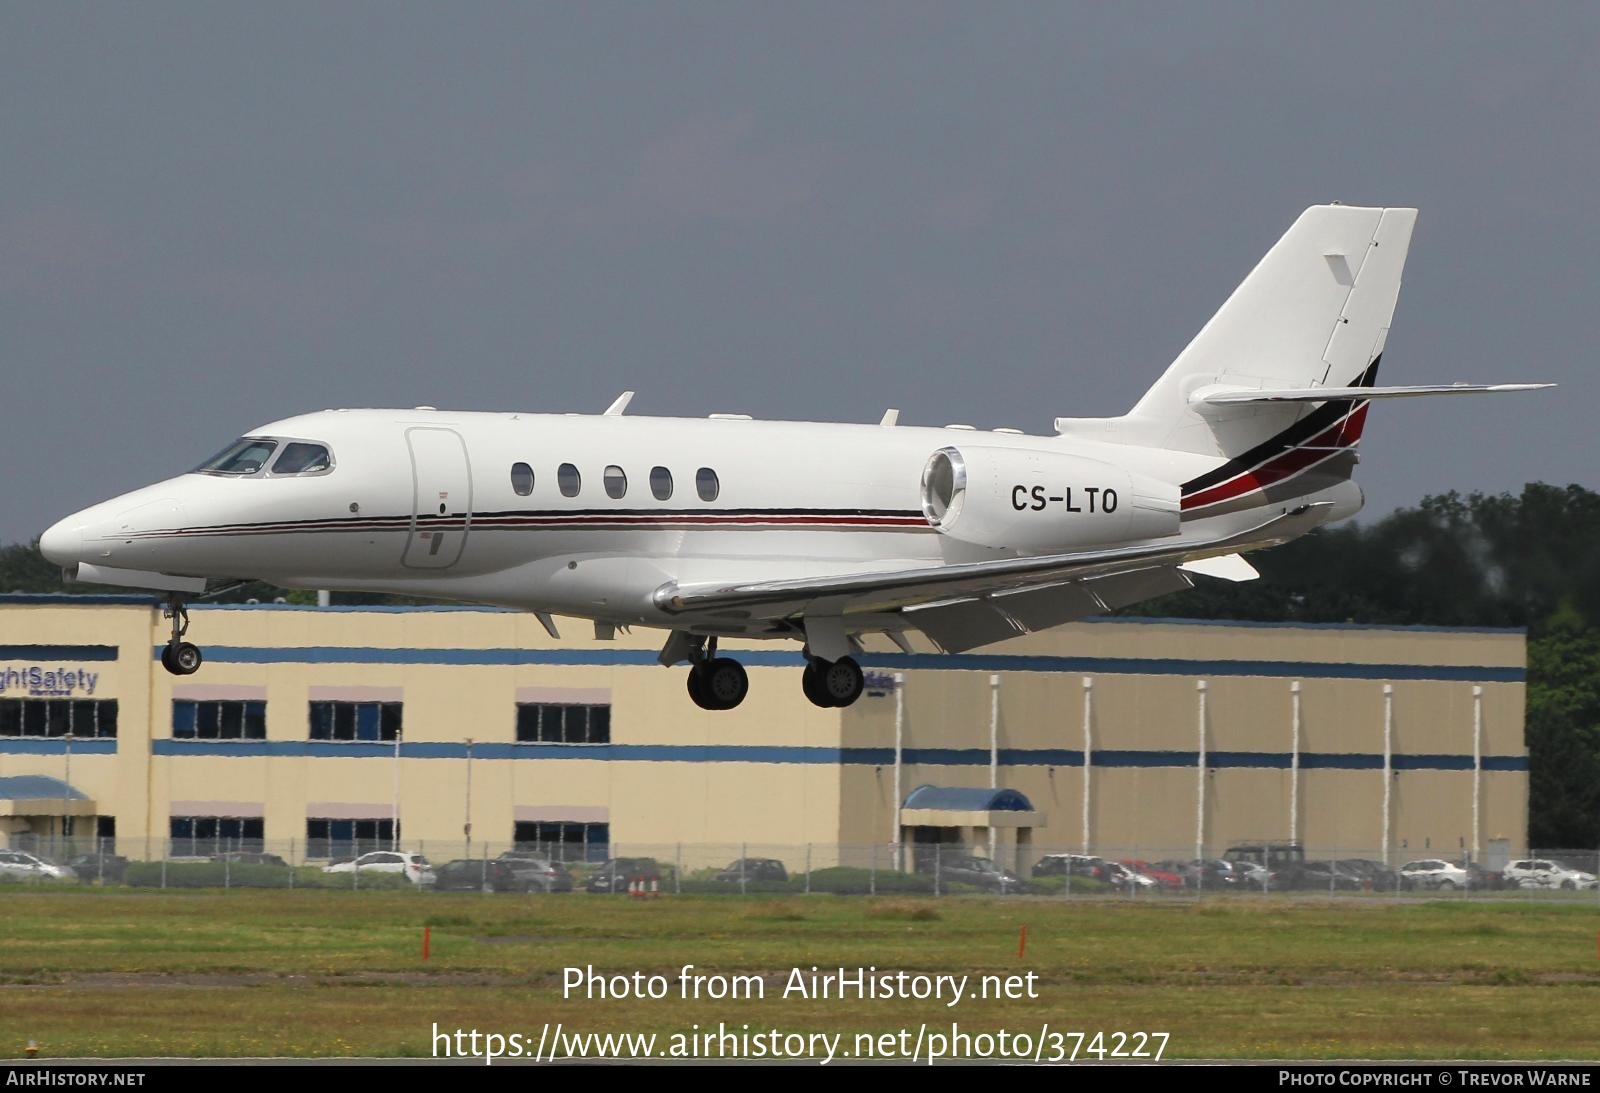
[(40, 795), (968, 806)]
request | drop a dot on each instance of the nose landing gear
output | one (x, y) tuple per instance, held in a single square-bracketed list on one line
[(179, 657), (716, 683)]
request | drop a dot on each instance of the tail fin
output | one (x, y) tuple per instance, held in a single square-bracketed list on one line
[(1313, 313)]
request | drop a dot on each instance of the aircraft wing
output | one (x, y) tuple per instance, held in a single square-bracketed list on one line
[(927, 595)]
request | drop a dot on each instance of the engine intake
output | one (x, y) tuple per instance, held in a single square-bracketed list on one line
[(1043, 502)]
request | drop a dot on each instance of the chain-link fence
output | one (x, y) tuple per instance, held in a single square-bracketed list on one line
[(649, 870)]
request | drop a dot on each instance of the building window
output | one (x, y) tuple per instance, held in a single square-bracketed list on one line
[(522, 479), (198, 835), (661, 483), (355, 720), (552, 723), (95, 717), (347, 838), (705, 482), (616, 482), (225, 719), (105, 827), (562, 840), (568, 480)]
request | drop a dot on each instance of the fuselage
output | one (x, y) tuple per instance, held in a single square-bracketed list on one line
[(578, 514)]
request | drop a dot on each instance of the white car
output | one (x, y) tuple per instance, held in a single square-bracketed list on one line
[(1433, 873), (16, 865), (414, 866), (1544, 873)]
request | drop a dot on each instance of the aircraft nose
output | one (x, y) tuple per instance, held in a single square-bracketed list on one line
[(62, 542)]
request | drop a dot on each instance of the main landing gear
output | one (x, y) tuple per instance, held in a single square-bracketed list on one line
[(720, 683), (832, 683), (179, 657), (716, 683)]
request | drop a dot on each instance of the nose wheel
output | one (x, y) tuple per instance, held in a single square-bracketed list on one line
[(179, 657), (832, 683)]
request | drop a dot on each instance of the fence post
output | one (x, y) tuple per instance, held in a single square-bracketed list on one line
[(938, 859), (291, 865), (677, 870), (163, 871), (483, 870), (227, 872), (808, 869), (872, 875), (743, 849), (100, 864)]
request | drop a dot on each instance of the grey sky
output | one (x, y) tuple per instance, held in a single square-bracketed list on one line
[(213, 215)]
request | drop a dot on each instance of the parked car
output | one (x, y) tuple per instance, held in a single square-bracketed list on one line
[(19, 865), (537, 873), (414, 867), (751, 870), (1273, 856), (1374, 875), (1123, 879), (1166, 878), (92, 867), (1315, 876), (1079, 865), (475, 874), (981, 872), (250, 857), (614, 874), (1434, 873), (1207, 875), (1546, 873)]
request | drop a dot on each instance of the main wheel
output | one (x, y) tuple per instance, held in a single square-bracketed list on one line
[(841, 680), (724, 682), (811, 685), (697, 688)]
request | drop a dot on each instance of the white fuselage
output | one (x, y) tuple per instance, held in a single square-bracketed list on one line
[(426, 502)]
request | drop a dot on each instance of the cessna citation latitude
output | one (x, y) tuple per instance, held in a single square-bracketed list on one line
[(729, 527)]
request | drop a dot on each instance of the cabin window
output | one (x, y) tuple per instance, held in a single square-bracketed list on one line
[(568, 480), (705, 482), (522, 479), (242, 457), (661, 483), (299, 457), (616, 481)]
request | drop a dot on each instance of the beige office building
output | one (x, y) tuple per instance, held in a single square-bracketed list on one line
[(308, 728)]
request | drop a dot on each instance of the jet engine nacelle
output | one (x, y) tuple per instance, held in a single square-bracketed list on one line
[(1043, 502)]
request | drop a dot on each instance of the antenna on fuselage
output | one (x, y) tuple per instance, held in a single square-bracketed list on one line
[(617, 407)]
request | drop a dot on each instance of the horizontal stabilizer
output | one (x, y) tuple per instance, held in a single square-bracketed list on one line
[(1232, 396), (1229, 567)]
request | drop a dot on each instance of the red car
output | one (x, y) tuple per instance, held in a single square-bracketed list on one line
[(1160, 876)]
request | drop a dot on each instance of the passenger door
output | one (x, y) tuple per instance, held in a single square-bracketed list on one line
[(441, 509)]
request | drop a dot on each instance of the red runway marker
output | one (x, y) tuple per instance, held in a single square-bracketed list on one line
[(1022, 941), (427, 936)]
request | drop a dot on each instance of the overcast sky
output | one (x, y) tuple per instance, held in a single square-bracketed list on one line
[(214, 215)]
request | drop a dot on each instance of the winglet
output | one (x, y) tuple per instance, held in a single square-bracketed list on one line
[(617, 407)]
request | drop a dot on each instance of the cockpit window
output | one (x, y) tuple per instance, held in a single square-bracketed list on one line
[(300, 457), (242, 457)]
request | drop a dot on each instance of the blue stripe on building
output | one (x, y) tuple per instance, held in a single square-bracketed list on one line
[(42, 653), (817, 756), (607, 658), (55, 745)]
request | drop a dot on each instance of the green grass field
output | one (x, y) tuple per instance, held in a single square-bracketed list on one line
[(117, 973)]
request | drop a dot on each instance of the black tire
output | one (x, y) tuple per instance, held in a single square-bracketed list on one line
[(811, 685), (697, 693), (724, 683), (1569, 885), (1447, 885)]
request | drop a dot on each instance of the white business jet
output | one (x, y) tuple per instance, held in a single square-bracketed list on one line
[(821, 533)]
